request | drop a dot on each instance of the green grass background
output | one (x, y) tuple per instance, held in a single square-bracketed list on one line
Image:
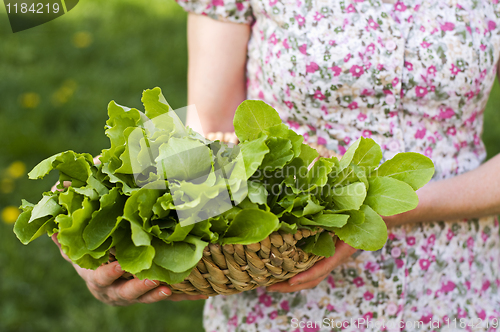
[(134, 45), (131, 46)]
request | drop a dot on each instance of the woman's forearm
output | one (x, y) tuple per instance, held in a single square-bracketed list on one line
[(216, 72), (472, 194)]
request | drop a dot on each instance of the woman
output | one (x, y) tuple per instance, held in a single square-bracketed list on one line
[(413, 75)]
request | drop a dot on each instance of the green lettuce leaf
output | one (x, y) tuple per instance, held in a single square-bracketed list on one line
[(250, 226), (179, 256), (47, 206), (253, 154), (324, 245), (71, 228), (388, 196), (331, 220), (410, 167), (280, 153), (282, 131), (105, 220), (369, 235), (27, 231), (363, 153), (156, 272), (349, 197), (134, 258), (184, 159), (253, 117)]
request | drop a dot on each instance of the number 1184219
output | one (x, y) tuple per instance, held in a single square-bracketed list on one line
[(475, 323), (34, 8)]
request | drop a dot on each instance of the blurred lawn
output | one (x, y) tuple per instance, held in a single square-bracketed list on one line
[(56, 81)]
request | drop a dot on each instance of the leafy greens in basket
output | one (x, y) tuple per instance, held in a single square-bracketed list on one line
[(163, 192)]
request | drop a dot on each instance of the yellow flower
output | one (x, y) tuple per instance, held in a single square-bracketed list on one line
[(64, 93), (7, 185), (82, 39), (16, 169), (10, 214), (30, 100)]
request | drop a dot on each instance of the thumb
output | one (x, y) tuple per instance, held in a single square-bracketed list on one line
[(54, 238)]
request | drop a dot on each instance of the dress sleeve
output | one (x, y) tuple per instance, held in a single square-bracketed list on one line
[(236, 11)]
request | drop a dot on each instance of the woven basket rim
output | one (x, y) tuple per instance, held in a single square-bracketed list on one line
[(233, 268)]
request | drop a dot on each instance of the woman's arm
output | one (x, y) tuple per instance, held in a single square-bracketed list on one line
[(472, 194), (216, 72)]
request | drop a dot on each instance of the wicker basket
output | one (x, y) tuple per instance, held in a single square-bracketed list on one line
[(234, 268), (231, 269)]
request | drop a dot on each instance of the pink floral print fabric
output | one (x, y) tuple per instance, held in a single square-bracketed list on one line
[(414, 75)]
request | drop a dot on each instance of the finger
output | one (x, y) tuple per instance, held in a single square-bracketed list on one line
[(164, 293), (284, 287), (96, 160), (186, 297), (105, 275), (65, 184), (54, 238), (133, 289), (342, 252), (54, 187)]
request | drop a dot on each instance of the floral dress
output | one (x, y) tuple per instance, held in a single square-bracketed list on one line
[(414, 75)]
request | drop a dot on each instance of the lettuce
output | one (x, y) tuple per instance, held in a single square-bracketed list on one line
[(162, 192)]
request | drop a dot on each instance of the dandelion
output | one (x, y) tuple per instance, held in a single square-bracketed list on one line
[(7, 186), (10, 214), (16, 169), (64, 93), (30, 100), (82, 39)]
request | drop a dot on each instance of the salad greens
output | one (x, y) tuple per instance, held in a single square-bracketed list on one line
[(162, 192)]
